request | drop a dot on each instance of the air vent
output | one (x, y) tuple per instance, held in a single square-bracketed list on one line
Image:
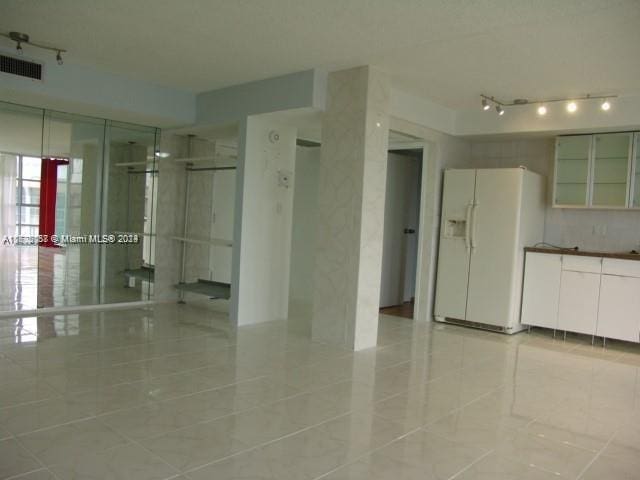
[(23, 68)]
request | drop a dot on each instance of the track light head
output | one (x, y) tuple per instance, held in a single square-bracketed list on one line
[(572, 107), (542, 110), (19, 48), (485, 105), (605, 105), (59, 57), (500, 110)]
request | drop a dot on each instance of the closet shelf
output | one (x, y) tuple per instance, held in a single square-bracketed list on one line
[(142, 273), (213, 158), (214, 290), (205, 241), (132, 164)]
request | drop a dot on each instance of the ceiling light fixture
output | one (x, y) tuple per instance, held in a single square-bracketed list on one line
[(23, 38), (571, 106)]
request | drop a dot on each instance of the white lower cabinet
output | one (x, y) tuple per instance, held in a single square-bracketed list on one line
[(578, 310), (541, 290), (619, 309), (582, 294)]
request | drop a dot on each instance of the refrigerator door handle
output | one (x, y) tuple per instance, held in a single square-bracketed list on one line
[(474, 243), (467, 228)]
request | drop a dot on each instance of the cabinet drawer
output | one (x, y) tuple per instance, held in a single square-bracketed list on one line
[(575, 263), (623, 268)]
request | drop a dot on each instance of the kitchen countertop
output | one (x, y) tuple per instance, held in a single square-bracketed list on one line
[(584, 253)]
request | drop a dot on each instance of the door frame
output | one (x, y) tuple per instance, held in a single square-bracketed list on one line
[(391, 149), (429, 216), (423, 297)]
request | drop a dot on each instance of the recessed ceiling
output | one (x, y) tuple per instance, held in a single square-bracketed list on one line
[(446, 50)]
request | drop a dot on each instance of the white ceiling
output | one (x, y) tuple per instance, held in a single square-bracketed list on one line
[(446, 50)]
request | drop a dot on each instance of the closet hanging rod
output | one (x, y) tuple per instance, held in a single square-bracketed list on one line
[(202, 169)]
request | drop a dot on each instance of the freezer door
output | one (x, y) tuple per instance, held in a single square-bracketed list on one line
[(455, 246), (494, 238)]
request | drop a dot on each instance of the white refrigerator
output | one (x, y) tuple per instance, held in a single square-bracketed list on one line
[(488, 217)]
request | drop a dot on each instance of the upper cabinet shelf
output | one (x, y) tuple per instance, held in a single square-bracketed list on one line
[(597, 171)]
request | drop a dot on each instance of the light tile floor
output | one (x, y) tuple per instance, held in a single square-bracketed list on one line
[(171, 392)]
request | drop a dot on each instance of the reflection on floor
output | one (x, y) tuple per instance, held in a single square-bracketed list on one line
[(405, 310), (33, 277), (171, 391)]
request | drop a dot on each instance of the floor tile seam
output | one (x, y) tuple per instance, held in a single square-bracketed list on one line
[(19, 475), (146, 379), (257, 447), (19, 441), (128, 441), (264, 444), (32, 402), (93, 338), (207, 420), (597, 455), (160, 402), (170, 355), (140, 445), (526, 431), (63, 424), (370, 452), (466, 468)]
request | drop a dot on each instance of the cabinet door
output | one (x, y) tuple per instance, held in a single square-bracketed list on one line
[(541, 290), (611, 153), (578, 311), (619, 311), (572, 170)]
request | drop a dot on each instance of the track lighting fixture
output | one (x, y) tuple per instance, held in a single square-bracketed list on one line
[(23, 38), (542, 110)]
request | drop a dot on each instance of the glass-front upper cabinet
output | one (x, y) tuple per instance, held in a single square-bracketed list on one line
[(611, 166), (572, 170), (594, 171), (635, 178)]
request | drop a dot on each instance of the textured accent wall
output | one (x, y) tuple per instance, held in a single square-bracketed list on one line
[(351, 208)]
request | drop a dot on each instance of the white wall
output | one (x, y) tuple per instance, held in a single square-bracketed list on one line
[(606, 230), (264, 210), (89, 91), (305, 208)]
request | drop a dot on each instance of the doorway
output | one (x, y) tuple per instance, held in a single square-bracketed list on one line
[(400, 242)]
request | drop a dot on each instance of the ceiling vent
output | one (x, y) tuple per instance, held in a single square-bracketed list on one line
[(22, 68)]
